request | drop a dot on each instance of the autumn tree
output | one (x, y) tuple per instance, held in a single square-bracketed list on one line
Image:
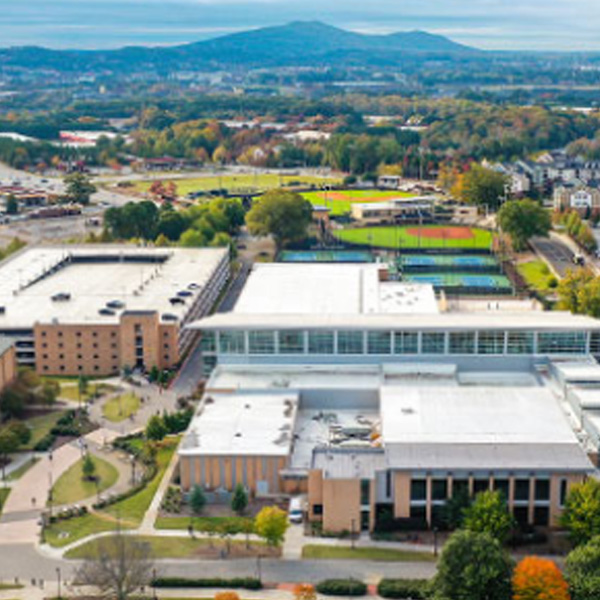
[(579, 292), (539, 579), (483, 187), (78, 188), (582, 570), (581, 515), (304, 591), (282, 214), (271, 524)]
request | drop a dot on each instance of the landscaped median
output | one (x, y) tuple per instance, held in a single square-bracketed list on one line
[(331, 552)]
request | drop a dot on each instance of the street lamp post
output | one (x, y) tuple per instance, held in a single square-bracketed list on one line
[(132, 469), (154, 584), (435, 541), (58, 583), (353, 529)]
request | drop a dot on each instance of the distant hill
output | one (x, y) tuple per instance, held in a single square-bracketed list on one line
[(295, 44)]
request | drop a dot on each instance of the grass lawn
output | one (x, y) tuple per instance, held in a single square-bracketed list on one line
[(66, 532), (537, 274), (11, 586), (340, 201), (71, 487), (70, 390), (240, 182), (22, 470), (121, 407), (203, 523), (162, 547), (407, 237), (317, 551), (4, 492), (134, 508), (41, 426)]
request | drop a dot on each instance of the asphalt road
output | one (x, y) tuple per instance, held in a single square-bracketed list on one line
[(556, 253), (26, 563)]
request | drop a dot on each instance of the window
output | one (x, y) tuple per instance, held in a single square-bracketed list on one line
[(261, 342), (80, 356), (62, 367), (96, 357), (462, 342), (166, 346), (562, 343), (60, 334), (406, 342), (78, 334), (317, 509), (502, 486), (44, 356), (595, 342), (350, 342), (61, 345), (365, 492), (418, 490), (43, 334), (439, 490), (96, 368), (208, 342), (481, 485), (542, 490), (94, 334), (419, 513), (61, 356), (94, 345), (460, 486), (521, 490), (291, 342), (166, 357), (388, 484), (564, 489), (44, 345), (433, 343), (231, 342), (521, 514), (490, 342), (113, 334), (79, 346), (45, 367), (541, 516), (113, 345), (379, 342), (320, 342)]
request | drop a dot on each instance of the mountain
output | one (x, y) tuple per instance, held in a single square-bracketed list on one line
[(301, 43)]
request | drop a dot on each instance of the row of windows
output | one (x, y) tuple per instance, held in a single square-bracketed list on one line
[(79, 334), (395, 342), (96, 368)]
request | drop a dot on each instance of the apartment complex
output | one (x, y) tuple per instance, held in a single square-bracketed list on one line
[(330, 380), (94, 310)]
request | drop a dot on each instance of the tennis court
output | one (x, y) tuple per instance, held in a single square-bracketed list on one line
[(416, 263), (464, 283), (325, 256)]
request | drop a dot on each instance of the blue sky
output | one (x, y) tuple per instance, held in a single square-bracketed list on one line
[(490, 24)]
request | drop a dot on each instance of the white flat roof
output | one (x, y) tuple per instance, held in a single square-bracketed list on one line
[(242, 424), (143, 279), (473, 415), (329, 289)]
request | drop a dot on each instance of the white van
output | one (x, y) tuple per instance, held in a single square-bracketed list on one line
[(296, 510)]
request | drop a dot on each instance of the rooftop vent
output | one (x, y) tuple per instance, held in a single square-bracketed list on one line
[(61, 297), (106, 312), (115, 304), (169, 317), (408, 411), (184, 294)]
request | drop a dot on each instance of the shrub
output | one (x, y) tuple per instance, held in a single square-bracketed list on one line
[(404, 589), (246, 583), (341, 587)]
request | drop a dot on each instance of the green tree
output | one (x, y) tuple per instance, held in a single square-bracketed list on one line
[(581, 515), (78, 188), (582, 570), (192, 239), (239, 500), (489, 514), (12, 205), (454, 509), (171, 224), (473, 566), (88, 469), (271, 524), (9, 443), (281, 214), (197, 500), (579, 292), (155, 429), (483, 187), (523, 219)]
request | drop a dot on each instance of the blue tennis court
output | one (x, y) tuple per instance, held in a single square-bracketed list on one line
[(463, 282), (426, 262), (325, 256)]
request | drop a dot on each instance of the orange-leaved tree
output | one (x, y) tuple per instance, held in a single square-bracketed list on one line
[(539, 579), (304, 591)]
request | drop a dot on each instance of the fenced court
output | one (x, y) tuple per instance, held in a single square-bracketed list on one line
[(427, 263), (414, 238), (325, 256), (464, 283)]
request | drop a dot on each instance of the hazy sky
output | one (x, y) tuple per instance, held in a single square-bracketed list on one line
[(493, 24)]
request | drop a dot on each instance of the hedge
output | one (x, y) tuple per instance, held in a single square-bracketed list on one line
[(246, 583), (341, 587), (404, 589)]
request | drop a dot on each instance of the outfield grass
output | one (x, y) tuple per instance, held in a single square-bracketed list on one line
[(121, 407), (4, 492), (325, 552), (71, 487), (237, 524), (134, 508), (537, 274), (41, 426), (17, 474), (339, 206), (66, 532), (399, 237), (240, 182)]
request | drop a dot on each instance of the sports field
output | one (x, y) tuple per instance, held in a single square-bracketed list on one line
[(242, 183), (429, 236), (340, 201)]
